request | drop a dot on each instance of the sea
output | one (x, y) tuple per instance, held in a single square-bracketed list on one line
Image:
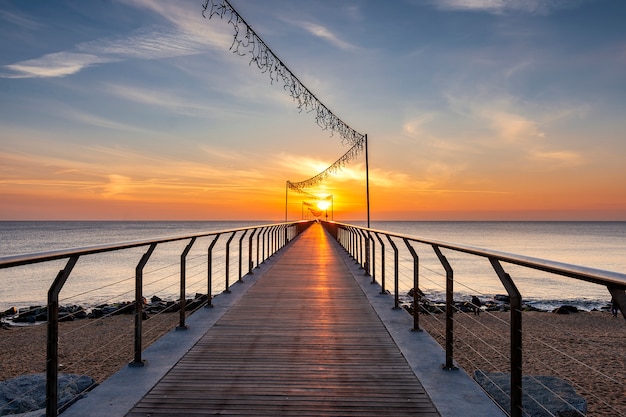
[(110, 277)]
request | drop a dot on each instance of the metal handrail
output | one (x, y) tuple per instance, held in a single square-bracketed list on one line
[(351, 238), (73, 254)]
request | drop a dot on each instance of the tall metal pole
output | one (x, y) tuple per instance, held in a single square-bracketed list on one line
[(286, 192), (367, 182)]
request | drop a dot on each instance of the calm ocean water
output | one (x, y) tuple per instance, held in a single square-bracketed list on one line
[(599, 245)]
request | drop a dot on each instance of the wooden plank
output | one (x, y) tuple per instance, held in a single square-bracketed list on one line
[(303, 341)]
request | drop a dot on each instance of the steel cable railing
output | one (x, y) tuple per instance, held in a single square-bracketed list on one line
[(395, 267), (218, 255)]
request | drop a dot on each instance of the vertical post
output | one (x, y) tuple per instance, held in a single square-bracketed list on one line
[(366, 261), (250, 262), (382, 264), (227, 277), (619, 297), (241, 253), (368, 258), (183, 284), (416, 285), (139, 305), (52, 350), (263, 244), (209, 302), (373, 258), (449, 365), (396, 274), (516, 338), (258, 245), (367, 182), (286, 196)]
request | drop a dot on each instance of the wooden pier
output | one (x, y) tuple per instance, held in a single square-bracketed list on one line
[(303, 341)]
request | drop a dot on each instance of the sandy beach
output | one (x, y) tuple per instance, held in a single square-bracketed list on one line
[(585, 348)]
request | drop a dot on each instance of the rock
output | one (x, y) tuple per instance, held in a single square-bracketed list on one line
[(13, 399), (420, 293), (503, 298), (565, 309), (556, 396), (8, 313)]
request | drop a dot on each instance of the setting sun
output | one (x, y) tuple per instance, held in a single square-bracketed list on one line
[(323, 204)]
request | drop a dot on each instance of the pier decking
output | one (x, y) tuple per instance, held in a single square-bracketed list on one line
[(303, 341)]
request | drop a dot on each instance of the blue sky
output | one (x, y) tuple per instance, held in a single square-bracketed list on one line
[(474, 109)]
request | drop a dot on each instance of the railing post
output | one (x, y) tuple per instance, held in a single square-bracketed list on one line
[(396, 274), (516, 338), (360, 248), (259, 242), (382, 264), (619, 297), (183, 284), (367, 254), (139, 305), (250, 263), (263, 244), (449, 365), (373, 258), (241, 253), (416, 285), (227, 278), (209, 302), (52, 350)]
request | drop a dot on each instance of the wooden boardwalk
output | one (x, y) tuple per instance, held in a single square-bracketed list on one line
[(303, 341)]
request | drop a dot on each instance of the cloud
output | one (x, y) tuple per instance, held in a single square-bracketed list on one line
[(512, 127), (539, 7), (189, 35), (58, 64), (561, 158), (324, 33), (17, 20)]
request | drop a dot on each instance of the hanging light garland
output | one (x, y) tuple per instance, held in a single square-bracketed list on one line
[(246, 41), (336, 166)]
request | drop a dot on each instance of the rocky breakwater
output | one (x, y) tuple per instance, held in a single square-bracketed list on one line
[(26, 394), (35, 314)]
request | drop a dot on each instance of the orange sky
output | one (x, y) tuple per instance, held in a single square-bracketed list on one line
[(507, 114)]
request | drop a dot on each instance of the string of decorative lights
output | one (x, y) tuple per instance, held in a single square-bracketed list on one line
[(246, 41), (333, 168)]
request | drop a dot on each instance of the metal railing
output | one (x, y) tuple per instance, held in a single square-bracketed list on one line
[(361, 243), (266, 239)]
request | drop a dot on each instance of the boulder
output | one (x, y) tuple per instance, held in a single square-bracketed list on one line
[(556, 396), (8, 313), (565, 309), (502, 297), (28, 392)]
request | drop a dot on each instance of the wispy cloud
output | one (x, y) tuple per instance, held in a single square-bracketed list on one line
[(560, 158), (187, 36), (18, 20), (326, 34), (59, 64), (540, 7)]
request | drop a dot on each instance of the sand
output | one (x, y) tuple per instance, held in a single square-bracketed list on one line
[(588, 349), (97, 348)]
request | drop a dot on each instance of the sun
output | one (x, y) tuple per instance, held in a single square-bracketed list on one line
[(323, 204)]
